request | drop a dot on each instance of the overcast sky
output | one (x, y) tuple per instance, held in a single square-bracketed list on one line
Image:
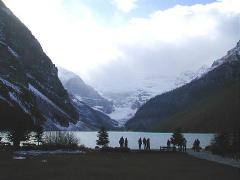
[(118, 42)]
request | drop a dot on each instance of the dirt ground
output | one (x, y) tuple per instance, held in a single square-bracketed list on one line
[(114, 166)]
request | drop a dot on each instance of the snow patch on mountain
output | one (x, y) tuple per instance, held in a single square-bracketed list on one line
[(187, 77), (79, 126), (127, 103), (43, 97), (14, 53), (19, 102), (12, 86), (83, 92)]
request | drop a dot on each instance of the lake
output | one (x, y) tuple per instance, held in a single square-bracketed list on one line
[(156, 139)]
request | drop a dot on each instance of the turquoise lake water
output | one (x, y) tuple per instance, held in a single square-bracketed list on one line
[(156, 139)]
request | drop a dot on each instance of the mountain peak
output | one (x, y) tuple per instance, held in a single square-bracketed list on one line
[(207, 104), (238, 43), (232, 55)]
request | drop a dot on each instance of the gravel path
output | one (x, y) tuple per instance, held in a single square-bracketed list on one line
[(211, 157)]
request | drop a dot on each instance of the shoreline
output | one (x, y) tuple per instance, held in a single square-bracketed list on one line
[(214, 158)]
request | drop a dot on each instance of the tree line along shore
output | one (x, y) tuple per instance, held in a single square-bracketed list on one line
[(224, 143)]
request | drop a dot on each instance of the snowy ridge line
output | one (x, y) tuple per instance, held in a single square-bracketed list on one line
[(235, 50), (7, 83), (16, 99), (43, 97)]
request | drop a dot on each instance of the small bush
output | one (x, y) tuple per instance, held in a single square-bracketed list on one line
[(59, 140), (208, 148), (16, 135)]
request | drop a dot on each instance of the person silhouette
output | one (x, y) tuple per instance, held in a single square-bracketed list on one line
[(168, 144), (140, 143), (144, 143), (184, 145), (197, 145), (148, 144), (121, 142), (126, 143)]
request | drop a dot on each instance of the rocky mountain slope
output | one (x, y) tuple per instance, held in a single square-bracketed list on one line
[(92, 118), (30, 91), (126, 104), (209, 103), (83, 92)]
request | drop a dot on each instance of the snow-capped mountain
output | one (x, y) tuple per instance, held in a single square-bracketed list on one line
[(209, 103), (92, 118), (188, 76), (232, 55), (83, 92), (126, 104)]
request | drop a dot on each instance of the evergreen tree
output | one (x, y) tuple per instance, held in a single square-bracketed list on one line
[(18, 134), (221, 144), (102, 137), (38, 134), (236, 142), (177, 138)]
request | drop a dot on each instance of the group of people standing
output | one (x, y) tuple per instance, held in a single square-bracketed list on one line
[(145, 142), (123, 142), (196, 145)]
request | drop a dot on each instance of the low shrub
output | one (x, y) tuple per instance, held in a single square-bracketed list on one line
[(59, 140), (208, 148)]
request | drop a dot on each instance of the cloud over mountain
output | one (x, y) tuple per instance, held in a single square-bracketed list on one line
[(160, 45)]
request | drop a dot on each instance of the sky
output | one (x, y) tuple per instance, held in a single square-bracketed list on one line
[(115, 43)]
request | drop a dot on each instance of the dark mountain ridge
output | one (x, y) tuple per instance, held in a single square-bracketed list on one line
[(207, 104), (30, 91)]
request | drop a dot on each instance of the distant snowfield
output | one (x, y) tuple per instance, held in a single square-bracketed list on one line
[(125, 102), (215, 158), (122, 114)]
